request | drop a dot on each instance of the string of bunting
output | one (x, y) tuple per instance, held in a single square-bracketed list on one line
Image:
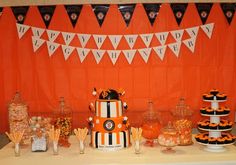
[(114, 54)]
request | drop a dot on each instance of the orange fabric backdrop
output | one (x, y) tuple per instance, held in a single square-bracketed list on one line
[(42, 80)]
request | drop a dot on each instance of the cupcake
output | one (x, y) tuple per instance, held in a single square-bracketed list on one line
[(229, 125), (213, 126), (221, 97), (228, 140), (203, 110), (204, 139), (220, 111), (226, 110), (208, 96), (214, 92), (197, 137), (220, 140), (222, 125), (209, 111), (212, 140)]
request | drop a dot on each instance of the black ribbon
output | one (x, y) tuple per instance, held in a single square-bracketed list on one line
[(152, 11), (47, 13), (228, 10), (127, 12), (73, 12), (100, 12), (179, 10), (204, 10)]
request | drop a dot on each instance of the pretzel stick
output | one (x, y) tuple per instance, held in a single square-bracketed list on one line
[(54, 134), (136, 133), (15, 137), (81, 133)]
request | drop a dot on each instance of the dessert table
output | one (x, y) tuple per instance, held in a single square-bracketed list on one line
[(191, 155)]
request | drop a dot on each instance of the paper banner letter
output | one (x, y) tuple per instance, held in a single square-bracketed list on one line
[(179, 10), (67, 50), (228, 10), (177, 35), (190, 43), (192, 32), (99, 39), (46, 13), (147, 38), (82, 52), (73, 12), (98, 54), (160, 51), (52, 34), (100, 12), (37, 32), (175, 47), (52, 47), (152, 11), (68, 37), (208, 29), (129, 55), (126, 12), (37, 43), (115, 40), (20, 13), (130, 39), (83, 38), (21, 29), (204, 10), (114, 55), (162, 37), (145, 53)]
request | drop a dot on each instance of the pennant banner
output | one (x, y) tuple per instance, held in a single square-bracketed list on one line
[(73, 12), (67, 50), (160, 51), (192, 32), (99, 39), (52, 47), (130, 39), (21, 29), (52, 35), (162, 37), (145, 53), (208, 29), (114, 55), (37, 32), (115, 40), (37, 43), (152, 11), (100, 12), (179, 10), (177, 34), (147, 38), (127, 12), (83, 38), (129, 55), (68, 37), (175, 48), (82, 52), (20, 13), (190, 43), (204, 10), (98, 54), (46, 13), (228, 10)]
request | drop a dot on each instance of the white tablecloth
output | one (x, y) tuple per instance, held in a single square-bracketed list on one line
[(191, 155)]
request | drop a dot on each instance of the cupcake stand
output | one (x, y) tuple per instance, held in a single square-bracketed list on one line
[(215, 133)]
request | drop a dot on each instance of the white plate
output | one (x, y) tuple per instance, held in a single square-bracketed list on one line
[(217, 101), (214, 115), (215, 130)]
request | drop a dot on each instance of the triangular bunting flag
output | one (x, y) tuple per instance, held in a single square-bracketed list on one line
[(100, 12), (21, 29), (147, 38), (160, 51), (20, 13), (204, 10), (46, 13), (177, 35), (115, 40), (179, 10), (37, 32), (68, 37), (82, 52), (1, 8), (52, 47), (37, 43), (73, 12), (52, 34), (162, 37), (83, 38), (99, 39), (228, 10), (192, 32), (145, 53), (98, 54), (131, 40), (152, 11), (114, 55), (67, 50), (208, 29), (190, 43), (129, 55), (126, 12), (175, 47)]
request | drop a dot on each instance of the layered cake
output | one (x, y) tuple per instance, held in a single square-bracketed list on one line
[(109, 128)]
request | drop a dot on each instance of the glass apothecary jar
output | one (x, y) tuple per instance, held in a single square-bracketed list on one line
[(63, 121)]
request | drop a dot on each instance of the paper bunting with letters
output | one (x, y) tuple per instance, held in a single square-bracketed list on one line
[(52, 35), (179, 10), (145, 53), (127, 11), (228, 10), (162, 37), (100, 12), (99, 40), (52, 47), (131, 39), (37, 32), (208, 29), (129, 55), (190, 43), (83, 38), (204, 10), (73, 12), (98, 54), (114, 55), (152, 11), (20, 13), (1, 8), (160, 51), (82, 52), (21, 29), (147, 38), (177, 34), (67, 50), (68, 37), (115, 40), (46, 13), (192, 32), (37, 43), (175, 48)]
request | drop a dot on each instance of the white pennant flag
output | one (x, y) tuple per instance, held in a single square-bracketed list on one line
[(37, 43), (160, 51), (114, 55), (82, 52), (68, 37), (147, 38), (145, 53), (115, 40), (192, 32), (52, 34), (83, 38), (21, 29), (162, 37), (177, 34), (98, 54), (129, 55), (99, 39), (175, 47), (67, 50), (131, 40), (52, 47), (37, 32), (190, 43), (208, 29)]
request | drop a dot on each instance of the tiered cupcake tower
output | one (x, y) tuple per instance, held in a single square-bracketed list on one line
[(215, 136)]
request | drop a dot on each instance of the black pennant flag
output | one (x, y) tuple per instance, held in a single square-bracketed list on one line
[(179, 10), (1, 8), (46, 13), (100, 12), (127, 12), (228, 10), (152, 11), (73, 12), (20, 13), (204, 10)]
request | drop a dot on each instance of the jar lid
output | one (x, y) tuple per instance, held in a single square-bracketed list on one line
[(169, 129)]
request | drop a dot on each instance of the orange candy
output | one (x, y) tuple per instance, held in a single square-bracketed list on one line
[(151, 130)]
